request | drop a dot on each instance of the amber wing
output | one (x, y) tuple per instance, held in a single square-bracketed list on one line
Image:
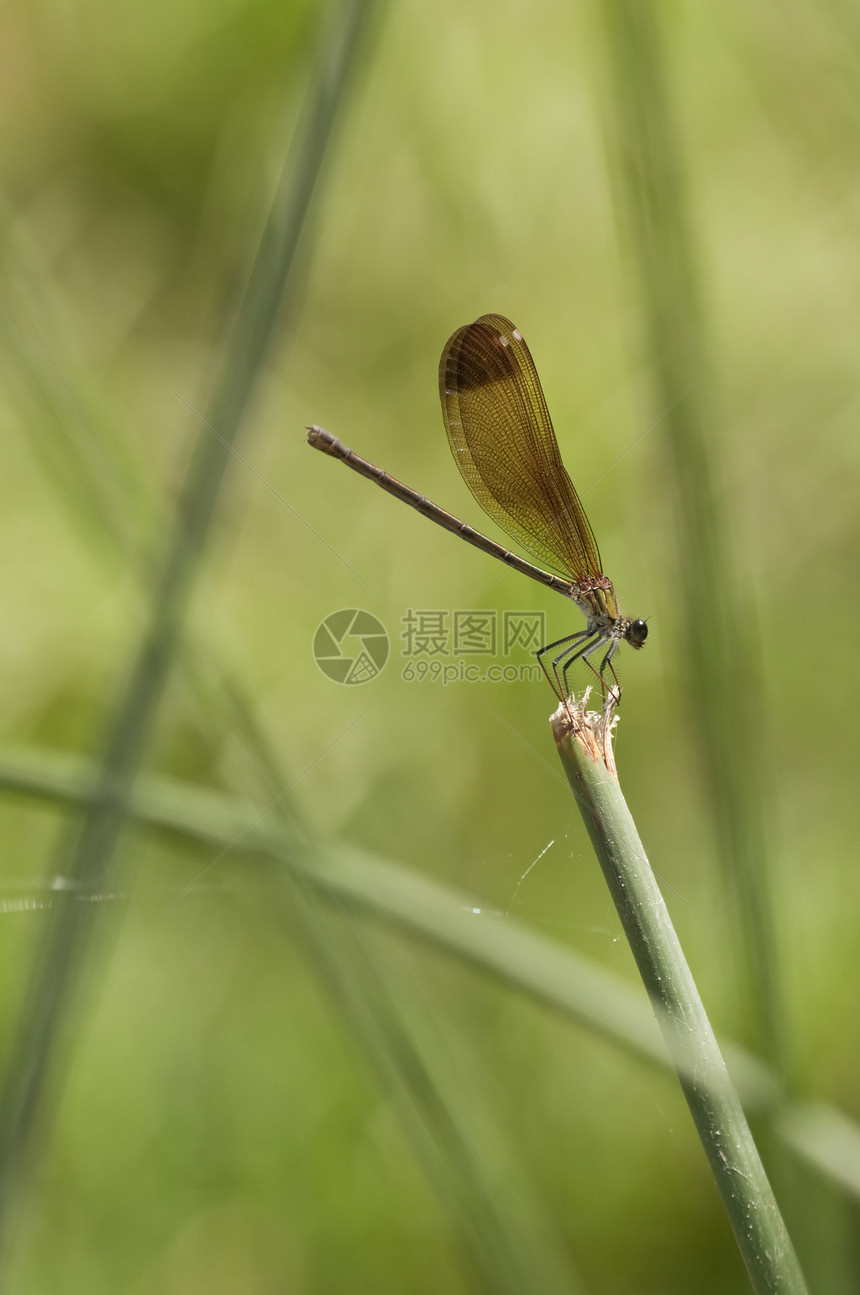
[(503, 442)]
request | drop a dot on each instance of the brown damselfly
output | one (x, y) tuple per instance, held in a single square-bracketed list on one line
[(503, 442)]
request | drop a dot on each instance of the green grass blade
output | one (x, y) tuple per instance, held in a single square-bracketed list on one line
[(89, 856), (443, 918)]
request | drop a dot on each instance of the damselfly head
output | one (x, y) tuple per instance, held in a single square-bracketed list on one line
[(636, 633)]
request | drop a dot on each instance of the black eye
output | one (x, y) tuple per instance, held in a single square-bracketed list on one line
[(637, 633)]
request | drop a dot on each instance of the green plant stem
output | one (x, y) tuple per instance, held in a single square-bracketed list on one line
[(584, 744)]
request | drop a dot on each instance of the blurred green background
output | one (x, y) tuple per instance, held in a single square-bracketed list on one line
[(232, 1115)]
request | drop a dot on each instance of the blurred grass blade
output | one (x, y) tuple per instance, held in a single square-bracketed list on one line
[(89, 856), (648, 172), (507, 1234), (492, 1206), (75, 437), (505, 1231), (443, 918), (585, 747)]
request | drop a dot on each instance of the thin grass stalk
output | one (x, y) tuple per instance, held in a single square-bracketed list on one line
[(647, 165), (584, 743), (88, 858)]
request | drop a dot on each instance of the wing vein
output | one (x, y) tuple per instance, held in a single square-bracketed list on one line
[(503, 442)]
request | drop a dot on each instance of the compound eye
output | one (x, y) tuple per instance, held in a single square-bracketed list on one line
[(638, 633)]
